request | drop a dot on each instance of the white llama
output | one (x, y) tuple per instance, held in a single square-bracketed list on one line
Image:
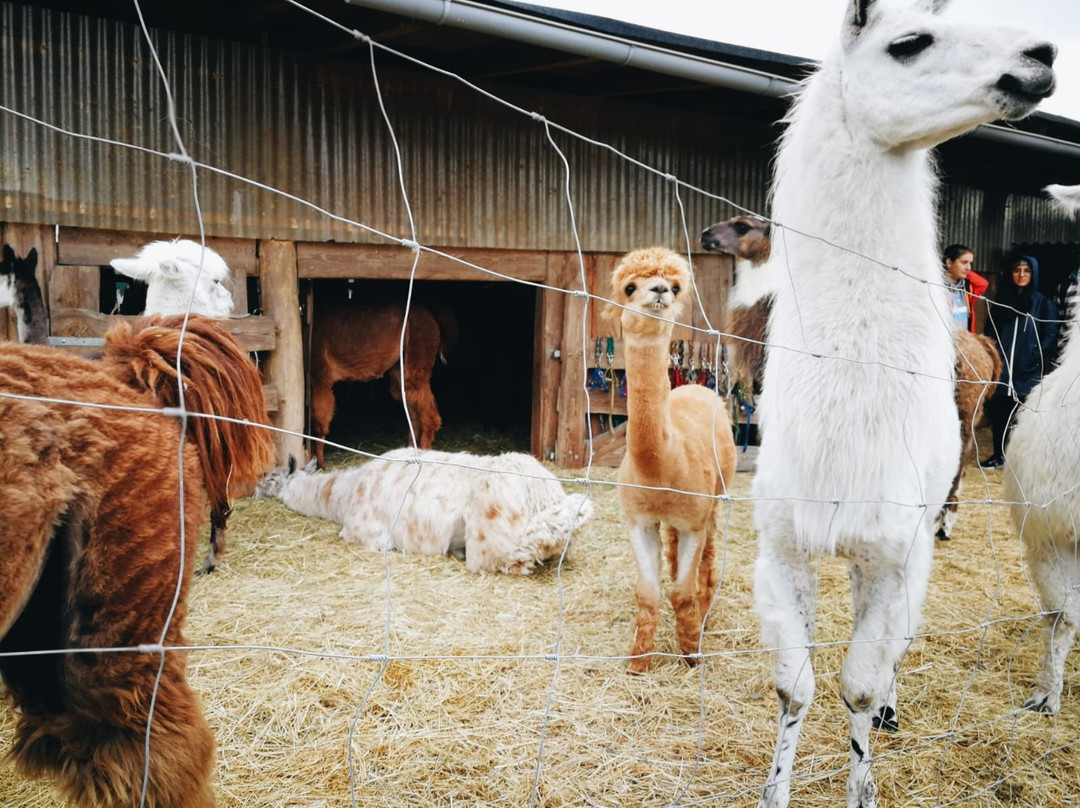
[(499, 513), (179, 274), (860, 436), (1042, 480)]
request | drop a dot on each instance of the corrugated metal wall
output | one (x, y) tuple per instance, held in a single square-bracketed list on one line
[(477, 174)]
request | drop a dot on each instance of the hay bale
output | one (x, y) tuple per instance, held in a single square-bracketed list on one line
[(296, 689)]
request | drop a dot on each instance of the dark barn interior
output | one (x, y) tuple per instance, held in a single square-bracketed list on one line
[(484, 392)]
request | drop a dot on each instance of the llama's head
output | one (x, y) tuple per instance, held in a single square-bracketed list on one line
[(911, 79), (172, 270), (271, 485), (1067, 197), (13, 270), (744, 237), (654, 281)]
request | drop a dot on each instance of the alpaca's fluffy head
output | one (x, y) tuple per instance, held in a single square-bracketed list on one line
[(273, 483), (912, 79), (172, 270), (746, 237), (654, 281)]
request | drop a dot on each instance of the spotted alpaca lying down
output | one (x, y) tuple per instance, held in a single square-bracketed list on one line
[(498, 513)]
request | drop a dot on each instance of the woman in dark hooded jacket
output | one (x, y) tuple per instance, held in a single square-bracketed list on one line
[(1024, 323)]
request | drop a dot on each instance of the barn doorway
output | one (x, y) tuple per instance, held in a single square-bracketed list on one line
[(484, 392)]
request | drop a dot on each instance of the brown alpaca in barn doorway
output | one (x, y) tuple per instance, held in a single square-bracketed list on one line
[(679, 453), (360, 340)]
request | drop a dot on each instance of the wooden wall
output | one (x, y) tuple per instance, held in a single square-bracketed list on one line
[(567, 323)]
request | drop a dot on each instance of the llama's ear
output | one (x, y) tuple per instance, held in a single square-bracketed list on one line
[(768, 230), (292, 465), (31, 259), (131, 267), (9, 254), (311, 466)]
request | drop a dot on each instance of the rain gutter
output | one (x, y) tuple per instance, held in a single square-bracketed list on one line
[(509, 24)]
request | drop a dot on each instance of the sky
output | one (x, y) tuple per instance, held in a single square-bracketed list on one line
[(810, 27)]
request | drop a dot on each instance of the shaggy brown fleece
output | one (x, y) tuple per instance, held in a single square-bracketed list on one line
[(97, 546)]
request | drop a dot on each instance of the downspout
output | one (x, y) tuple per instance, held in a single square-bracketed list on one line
[(516, 25)]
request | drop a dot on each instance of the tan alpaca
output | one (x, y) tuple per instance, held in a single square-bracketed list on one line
[(675, 439)]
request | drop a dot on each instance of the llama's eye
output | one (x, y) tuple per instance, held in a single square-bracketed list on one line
[(908, 46), (742, 228), (675, 289), (630, 289)]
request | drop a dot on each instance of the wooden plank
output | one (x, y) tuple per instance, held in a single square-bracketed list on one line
[(75, 288), (570, 436), (82, 246), (251, 333), (285, 366), (609, 447), (391, 262), (547, 366), (602, 403)]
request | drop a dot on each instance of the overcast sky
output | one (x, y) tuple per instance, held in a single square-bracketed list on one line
[(809, 27)]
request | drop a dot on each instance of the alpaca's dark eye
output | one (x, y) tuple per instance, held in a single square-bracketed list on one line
[(908, 46), (675, 289), (630, 289), (742, 228)]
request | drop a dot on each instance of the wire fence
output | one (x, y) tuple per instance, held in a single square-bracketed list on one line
[(403, 707)]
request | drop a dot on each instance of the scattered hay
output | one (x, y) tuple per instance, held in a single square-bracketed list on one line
[(469, 702)]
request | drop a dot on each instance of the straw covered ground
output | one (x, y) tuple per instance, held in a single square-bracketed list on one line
[(513, 691)]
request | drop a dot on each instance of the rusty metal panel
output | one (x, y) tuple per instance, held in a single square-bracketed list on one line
[(476, 173)]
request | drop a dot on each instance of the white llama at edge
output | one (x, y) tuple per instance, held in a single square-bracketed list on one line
[(1043, 468), (860, 438)]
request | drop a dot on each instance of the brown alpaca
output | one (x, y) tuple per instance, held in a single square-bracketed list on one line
[(978, 365), (91, 554), (675, 439), (747, 238), (360, 341)]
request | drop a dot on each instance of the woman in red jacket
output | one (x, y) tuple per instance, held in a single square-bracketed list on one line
[(964, 285)]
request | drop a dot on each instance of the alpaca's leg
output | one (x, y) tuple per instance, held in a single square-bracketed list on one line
[(786, 602), (708, 578), (887, 595), (645, 540), (1056, 579), (423, 411), (686, 592), (322, 413), (946, 519)]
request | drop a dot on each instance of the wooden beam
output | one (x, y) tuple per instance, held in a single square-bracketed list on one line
[(326, 260), (547, 365), (285, 366), (570, 439), (251, 333), (81, 246)]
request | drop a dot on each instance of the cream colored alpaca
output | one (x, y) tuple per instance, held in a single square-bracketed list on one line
[(499, 513), (675, 439)]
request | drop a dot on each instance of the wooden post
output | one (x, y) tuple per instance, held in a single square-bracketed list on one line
[(547, 363), (570, 438), (285, 367)]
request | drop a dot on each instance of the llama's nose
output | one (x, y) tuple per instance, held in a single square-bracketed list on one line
[(660, 288), (708, 240), (1038, 82), (1044, 53)]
